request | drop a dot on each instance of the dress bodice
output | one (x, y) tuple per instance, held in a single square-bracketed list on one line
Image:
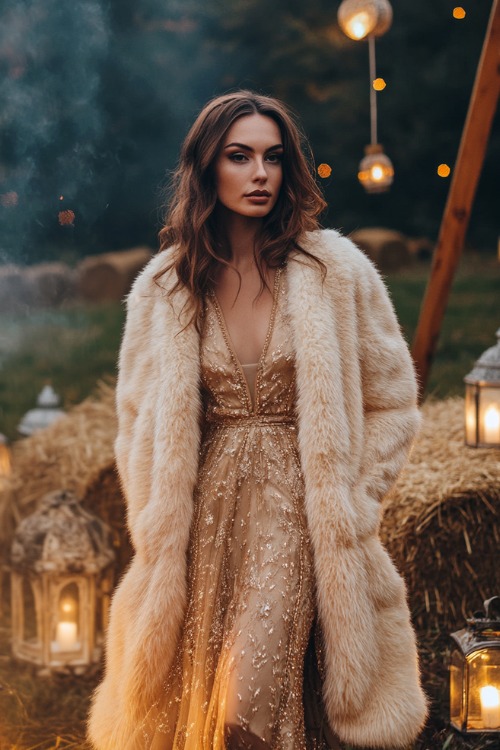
[(226, 393)]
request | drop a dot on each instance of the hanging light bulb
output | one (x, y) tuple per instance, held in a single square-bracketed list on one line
[(366, 19), (376, 172), (361, 18)]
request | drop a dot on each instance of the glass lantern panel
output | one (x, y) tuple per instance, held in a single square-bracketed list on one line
[(470, 414), (483, 710), (457, 682), (66, 632), (489, 415), (29, 613)]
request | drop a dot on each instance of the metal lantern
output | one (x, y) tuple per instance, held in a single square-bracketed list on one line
[(47, 411), (61, 584), (376, 172), (475, 672), (360, 18), (482, 400)]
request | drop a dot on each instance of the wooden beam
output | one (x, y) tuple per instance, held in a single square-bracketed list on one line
[(461, 195)]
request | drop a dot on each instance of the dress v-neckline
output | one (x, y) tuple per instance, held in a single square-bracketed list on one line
[(252, 404)]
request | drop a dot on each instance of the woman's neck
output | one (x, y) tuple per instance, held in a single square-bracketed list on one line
[(241, 233)]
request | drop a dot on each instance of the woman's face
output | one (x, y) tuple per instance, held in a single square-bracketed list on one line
[(248, 168)]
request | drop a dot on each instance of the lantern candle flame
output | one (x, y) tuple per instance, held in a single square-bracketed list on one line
[(492, 424), (5, 459), (490, 707), (66, 636)]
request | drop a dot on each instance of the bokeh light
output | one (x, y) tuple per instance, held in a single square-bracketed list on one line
[(458, 12), (379, 84), (66, 218), (443, 170), (324, 170), (9, 200)]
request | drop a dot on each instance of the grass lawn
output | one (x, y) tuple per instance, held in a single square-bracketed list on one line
[(471, 320), (73, 347)]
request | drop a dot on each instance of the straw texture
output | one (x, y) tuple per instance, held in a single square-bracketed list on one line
[(441, 522)]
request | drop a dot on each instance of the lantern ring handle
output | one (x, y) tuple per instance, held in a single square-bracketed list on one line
[(492, 608)]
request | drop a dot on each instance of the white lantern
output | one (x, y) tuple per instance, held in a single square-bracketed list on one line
[(482, 400), (61, 571), (47, 411)]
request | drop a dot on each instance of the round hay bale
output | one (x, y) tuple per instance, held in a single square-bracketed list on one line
[(105, 499), (66, 455), (421, 248), (387, 248), (16, 289), (108, 277), (53, 284), (442, 521)]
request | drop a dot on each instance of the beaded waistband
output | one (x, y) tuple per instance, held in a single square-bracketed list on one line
[(238, 420)]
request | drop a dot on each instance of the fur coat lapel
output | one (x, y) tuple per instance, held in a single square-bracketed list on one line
[(357, 416)]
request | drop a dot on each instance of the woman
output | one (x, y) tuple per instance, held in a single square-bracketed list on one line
[(266, 403)]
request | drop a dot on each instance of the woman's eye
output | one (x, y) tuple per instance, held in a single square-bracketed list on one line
[(238, 157), (274, 158)]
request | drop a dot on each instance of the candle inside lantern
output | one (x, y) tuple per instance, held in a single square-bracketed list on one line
[(492, 424), (66, 634), (490, 707)]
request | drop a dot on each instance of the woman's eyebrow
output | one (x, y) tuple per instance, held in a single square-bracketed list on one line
[(249, 148)]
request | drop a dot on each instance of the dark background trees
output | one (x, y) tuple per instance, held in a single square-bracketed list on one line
[(97, 96)]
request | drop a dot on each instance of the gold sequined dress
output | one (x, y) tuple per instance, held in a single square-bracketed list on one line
[(237, 678)]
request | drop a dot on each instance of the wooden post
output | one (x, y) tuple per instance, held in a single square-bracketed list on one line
[(458, 206)]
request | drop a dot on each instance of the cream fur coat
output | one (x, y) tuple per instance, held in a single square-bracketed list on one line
[(357, 417)]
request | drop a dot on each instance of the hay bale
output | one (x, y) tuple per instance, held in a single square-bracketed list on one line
[(53, 284), (387, 248), (108, 277), (442, 522), (420, 248), (68, 454), (104, 498), (16, 289)]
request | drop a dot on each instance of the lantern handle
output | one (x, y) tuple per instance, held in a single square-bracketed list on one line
[(492, 608)]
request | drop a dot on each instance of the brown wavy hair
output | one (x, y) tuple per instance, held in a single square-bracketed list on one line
[(191, 219)]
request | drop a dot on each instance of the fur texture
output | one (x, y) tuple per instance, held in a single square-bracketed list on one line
[(357, 417)]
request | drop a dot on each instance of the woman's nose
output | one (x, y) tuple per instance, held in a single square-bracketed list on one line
[(260, 170)]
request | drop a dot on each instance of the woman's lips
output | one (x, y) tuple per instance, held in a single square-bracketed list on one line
[(258, 196)]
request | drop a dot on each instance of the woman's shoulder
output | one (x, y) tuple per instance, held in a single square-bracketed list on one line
[(337, 252), (155, 279)]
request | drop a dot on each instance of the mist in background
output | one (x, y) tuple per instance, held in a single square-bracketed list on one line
[(96, 97)]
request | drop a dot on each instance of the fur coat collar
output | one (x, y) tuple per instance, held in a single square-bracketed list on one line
[(357, 416)]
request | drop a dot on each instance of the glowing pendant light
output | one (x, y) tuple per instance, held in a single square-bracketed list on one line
[(367, 19)]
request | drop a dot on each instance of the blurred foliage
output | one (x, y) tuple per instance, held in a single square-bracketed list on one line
[(100, 94)]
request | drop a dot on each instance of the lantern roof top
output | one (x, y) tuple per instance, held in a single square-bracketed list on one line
[(61, 537), (486, 370), (47, 411), (483, 629)]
